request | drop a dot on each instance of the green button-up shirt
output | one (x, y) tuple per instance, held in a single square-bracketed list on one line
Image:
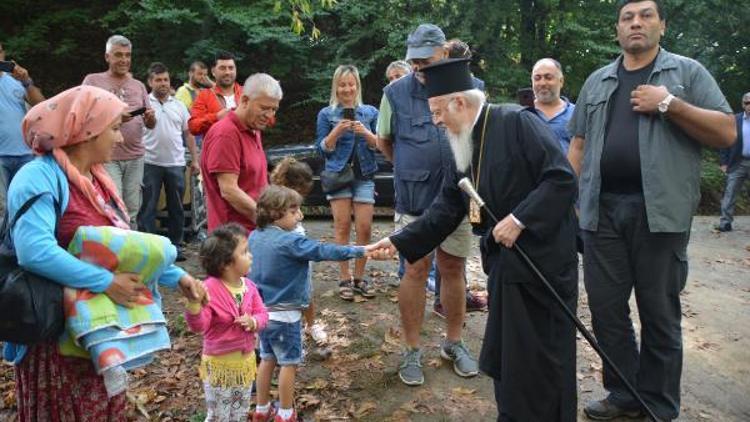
[(670, 158)]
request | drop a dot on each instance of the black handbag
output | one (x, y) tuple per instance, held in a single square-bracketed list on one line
[(31, 306), (332, 181)]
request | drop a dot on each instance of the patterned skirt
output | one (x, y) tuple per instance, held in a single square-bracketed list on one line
[(55, 388)]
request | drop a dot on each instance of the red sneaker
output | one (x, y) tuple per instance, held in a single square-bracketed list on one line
[(265, 417)]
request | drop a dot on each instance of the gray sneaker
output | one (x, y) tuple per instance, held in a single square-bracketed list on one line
[(410, 371), (463, 364)]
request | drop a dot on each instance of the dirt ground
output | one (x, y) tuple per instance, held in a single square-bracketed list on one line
[(359, 381)]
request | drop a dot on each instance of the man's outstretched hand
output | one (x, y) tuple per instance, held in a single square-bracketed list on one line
[(381, 250)]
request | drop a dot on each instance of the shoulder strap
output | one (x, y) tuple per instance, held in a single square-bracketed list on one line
[(6, 228)]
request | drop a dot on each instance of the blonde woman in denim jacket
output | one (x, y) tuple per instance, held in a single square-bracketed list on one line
[(346, 136)]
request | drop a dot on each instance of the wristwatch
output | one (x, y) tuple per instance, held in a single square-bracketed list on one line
[(27, 83), (664, 104)]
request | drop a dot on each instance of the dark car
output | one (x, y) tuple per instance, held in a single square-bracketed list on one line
[(310, 155)]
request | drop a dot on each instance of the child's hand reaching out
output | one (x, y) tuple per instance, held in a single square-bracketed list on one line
[(247, 322)]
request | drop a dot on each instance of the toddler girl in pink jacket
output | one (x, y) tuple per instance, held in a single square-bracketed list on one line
[(228, 323)]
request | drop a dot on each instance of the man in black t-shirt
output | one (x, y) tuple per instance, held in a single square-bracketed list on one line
[(638, 128)]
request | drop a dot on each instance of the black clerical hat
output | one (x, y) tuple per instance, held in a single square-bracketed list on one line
[(448, 76)]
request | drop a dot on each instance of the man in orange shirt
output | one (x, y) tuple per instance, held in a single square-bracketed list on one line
[(212, 104)]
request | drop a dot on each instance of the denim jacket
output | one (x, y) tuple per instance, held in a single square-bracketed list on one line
[(281, 265), (328, 118)]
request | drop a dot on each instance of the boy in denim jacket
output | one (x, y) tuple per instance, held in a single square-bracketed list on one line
[(281, 271)]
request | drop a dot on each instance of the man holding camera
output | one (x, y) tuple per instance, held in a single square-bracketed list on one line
[(126, 167), (16, 88)]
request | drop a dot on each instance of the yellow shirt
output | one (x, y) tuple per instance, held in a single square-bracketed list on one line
[(186, 94)]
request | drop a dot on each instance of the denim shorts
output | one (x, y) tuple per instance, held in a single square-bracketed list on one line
[(361, 191), (282, 342)]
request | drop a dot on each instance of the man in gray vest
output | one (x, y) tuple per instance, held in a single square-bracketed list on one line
[(421, 156)]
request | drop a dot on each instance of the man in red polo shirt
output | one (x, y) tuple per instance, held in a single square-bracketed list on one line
[(233, 163)]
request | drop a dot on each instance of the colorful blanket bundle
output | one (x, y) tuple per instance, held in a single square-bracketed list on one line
[(112, 335)]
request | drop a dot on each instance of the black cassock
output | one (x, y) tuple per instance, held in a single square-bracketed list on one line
[(529, 343)]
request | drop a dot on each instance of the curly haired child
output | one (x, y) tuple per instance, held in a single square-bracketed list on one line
[(228, 323)]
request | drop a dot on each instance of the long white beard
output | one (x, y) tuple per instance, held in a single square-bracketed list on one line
[(462, 147)]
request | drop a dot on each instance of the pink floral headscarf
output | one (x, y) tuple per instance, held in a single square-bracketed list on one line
[(69, 118)]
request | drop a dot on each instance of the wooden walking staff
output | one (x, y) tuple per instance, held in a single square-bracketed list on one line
[(466, 186)]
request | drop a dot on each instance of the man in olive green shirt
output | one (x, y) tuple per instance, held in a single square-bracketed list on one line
[(638, 129)]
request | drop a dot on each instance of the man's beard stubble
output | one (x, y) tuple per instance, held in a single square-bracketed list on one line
[(462, 147)]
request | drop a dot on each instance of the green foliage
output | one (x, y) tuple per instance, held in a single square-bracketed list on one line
[(300, 42)]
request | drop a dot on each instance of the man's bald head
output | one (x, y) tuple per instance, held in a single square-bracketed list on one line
[(549, 61), (547, 81)]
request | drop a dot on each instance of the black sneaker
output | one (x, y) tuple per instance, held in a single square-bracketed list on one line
[(723, 228), (604, 410)]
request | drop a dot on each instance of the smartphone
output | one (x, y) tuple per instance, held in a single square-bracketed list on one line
[(137, 112), (7, 66), (349, 113), (525, 97)]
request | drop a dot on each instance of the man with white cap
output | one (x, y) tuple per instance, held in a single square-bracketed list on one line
[(421, 158)]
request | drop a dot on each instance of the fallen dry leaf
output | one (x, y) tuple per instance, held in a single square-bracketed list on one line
[(464, 391), (317, 384), (366, 408), (305, 401), (435, 363)]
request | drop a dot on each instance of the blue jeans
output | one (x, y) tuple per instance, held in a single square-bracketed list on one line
[(282, 341), (361, 191), (736, 177), (173, 180), (9, 166)]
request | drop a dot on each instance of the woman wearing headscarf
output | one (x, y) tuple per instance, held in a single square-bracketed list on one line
[(346, 137), (73, 133)]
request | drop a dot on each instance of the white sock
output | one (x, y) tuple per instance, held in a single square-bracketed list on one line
[(263, 408), (286, 413)]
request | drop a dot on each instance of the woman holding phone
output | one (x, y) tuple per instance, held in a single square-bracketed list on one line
[(346, 138)]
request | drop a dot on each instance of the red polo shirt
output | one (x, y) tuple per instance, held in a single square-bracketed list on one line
[(230, 147)]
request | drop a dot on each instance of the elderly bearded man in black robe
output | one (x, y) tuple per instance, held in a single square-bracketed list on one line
[(516, 164)]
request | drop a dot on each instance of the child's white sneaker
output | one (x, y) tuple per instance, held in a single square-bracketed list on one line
[(318, 334)]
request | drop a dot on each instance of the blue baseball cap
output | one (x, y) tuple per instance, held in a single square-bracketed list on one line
[(422, 42)]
